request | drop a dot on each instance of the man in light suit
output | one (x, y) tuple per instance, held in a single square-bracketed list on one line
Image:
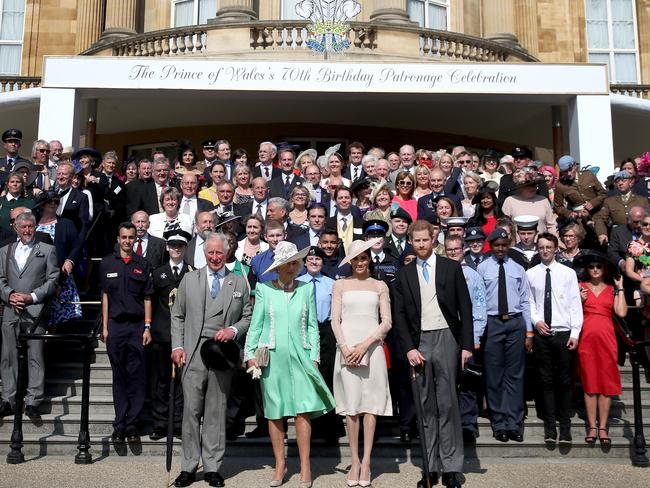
[(28, 275), (210, 303), (433, 319)]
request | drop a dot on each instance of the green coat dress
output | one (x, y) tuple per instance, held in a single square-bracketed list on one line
[(286, 323)]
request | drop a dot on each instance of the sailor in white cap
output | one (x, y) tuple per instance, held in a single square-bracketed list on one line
[(455, 226), (527, 233)]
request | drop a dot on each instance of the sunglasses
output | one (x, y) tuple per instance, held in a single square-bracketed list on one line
[(595, 266), (405, 183), (44, 151), (645, 224), (467, 161)]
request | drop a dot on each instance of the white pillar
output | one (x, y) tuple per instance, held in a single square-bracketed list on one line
[(590, 132), (60, 116)]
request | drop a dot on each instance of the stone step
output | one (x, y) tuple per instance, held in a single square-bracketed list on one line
[(62, 386), (73, 370), (102, 445)]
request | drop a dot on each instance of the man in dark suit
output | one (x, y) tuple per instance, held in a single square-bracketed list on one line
[(166, 279), (190, 204), (433, 319), (346, 219), (259, 204), (146, 195), (11, 141), (522, 157), (114, 200), (74, 203), (622, 235), (312, 175), (283, 185), (150, 247), (204, 223), (265, 169), (354, 170), (427, 203), (316, 216)]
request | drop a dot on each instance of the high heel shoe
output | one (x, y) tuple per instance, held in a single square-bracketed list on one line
[(352, 482), (305, 484), (279, 482), (591, 439), (367, 482), (605, 441)]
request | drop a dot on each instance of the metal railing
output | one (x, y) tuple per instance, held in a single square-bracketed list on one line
[(15, 83), (83, 456)]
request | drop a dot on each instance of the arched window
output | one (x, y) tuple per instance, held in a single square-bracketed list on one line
[(192, 12), (12, 23), (432, 14), (612, 38)]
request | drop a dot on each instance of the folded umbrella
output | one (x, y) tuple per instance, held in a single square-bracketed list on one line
[(419, 415)]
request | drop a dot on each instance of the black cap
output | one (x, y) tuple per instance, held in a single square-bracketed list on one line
[(497, 233), (219, 355), (400, 213), (12, 134), (317, 252), (177, 235), (209, 143), (491, 154), (521, 152), (474, 234), (88, 151), (375, 226)]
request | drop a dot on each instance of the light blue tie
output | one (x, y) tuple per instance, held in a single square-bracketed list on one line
[(214, 290), (425, 271)]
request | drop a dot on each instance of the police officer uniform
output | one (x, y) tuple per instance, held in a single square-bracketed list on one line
[(474, 234), (126, 283), (166, 279), (384, 264)]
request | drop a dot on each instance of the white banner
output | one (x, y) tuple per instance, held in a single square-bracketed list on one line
[(220, 74)]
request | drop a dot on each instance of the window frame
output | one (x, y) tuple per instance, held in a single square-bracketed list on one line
[(195, 13), (14, 42), (440, 3), (611, 51)]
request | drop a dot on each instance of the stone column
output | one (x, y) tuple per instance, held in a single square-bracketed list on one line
[(390, 12), (89, 24), (643, 18), (120, 18), (526, 25), (590, 131), (499, 21), (235, 11)]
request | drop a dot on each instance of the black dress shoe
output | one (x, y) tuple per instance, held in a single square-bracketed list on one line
[(257, 433), (469, 436), (405, 437), (156, 435), (550, 433), (501, 436), (565, 434), (515, 435), (185, 479), (453, 479), (118, 435), (32, 412), (433, 480), (214, 479), (6, 410)]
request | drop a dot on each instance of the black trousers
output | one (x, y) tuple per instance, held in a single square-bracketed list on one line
[(161, 370), (400, 383), (554, 365), (126, 354)]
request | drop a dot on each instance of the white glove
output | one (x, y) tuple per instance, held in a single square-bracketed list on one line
[(256, 373)]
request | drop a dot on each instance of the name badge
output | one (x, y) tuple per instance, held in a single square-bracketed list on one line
[(117, 190), (357, 231), (137, 271), (111, 275)]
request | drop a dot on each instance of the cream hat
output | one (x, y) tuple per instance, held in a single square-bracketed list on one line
[(286, 252)]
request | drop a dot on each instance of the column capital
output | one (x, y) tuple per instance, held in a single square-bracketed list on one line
[(234, 11)]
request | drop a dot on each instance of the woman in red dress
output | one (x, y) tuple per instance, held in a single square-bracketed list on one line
[(597, 352)]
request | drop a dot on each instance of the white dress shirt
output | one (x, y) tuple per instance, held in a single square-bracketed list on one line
[(221, 275), (566, 304), (313, 237), (262, 206), (199, 253), (21, 254), (191, 203), (145, 241)]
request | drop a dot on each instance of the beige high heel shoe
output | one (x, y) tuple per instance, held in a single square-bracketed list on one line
[(279, 482)]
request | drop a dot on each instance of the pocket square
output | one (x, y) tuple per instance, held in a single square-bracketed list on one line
[(236, 294), (39, 254)]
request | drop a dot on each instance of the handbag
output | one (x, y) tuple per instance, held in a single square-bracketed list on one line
[(262, 356), (363, 362)]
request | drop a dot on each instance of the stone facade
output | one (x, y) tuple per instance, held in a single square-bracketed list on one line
[(553, 31)]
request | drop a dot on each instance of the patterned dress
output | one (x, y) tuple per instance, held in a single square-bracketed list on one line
[(61, 311)]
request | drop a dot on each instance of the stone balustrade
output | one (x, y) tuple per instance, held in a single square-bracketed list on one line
[(294, 35), (15, 83), (631, 89)]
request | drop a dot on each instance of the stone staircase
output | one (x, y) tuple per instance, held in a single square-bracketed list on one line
[(57, 433)]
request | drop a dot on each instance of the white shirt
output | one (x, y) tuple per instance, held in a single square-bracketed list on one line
[(375, 255), (145, 242), (10, 197), (313, 237), (263, 171), (221, 274), (63, 201), (199, 253), (566, 304), (262, 206), (178, 265), (21, 254), (193, 205)]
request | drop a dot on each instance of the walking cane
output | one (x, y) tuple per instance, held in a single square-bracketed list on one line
[(419, 414), (170, 424)]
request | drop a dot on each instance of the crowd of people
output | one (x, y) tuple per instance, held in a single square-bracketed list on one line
[(329, 287)]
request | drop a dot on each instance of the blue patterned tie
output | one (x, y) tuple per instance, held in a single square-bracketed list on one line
[(425, 271), (214, 290)]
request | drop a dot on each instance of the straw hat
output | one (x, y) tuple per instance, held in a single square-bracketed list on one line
[(286, 252), (357, 247)]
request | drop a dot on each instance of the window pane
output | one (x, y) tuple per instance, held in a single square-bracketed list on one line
[(601, 58), (10, 59), (625, 68), (437, 17), (416, 11), (184, 13), (13, 12), (207, 10), (289, 10), (596, 9), (597, 34)]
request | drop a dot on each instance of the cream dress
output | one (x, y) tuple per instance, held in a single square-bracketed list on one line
[(361, 309)]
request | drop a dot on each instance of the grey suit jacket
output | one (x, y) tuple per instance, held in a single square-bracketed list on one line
[(191, 310), (39, 276)]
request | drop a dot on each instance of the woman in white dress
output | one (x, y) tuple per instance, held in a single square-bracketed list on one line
[(360, 320)]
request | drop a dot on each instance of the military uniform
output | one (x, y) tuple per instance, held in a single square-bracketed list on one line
[(584, 188)]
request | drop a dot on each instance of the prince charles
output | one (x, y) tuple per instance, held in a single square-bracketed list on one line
[(211, 303)]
